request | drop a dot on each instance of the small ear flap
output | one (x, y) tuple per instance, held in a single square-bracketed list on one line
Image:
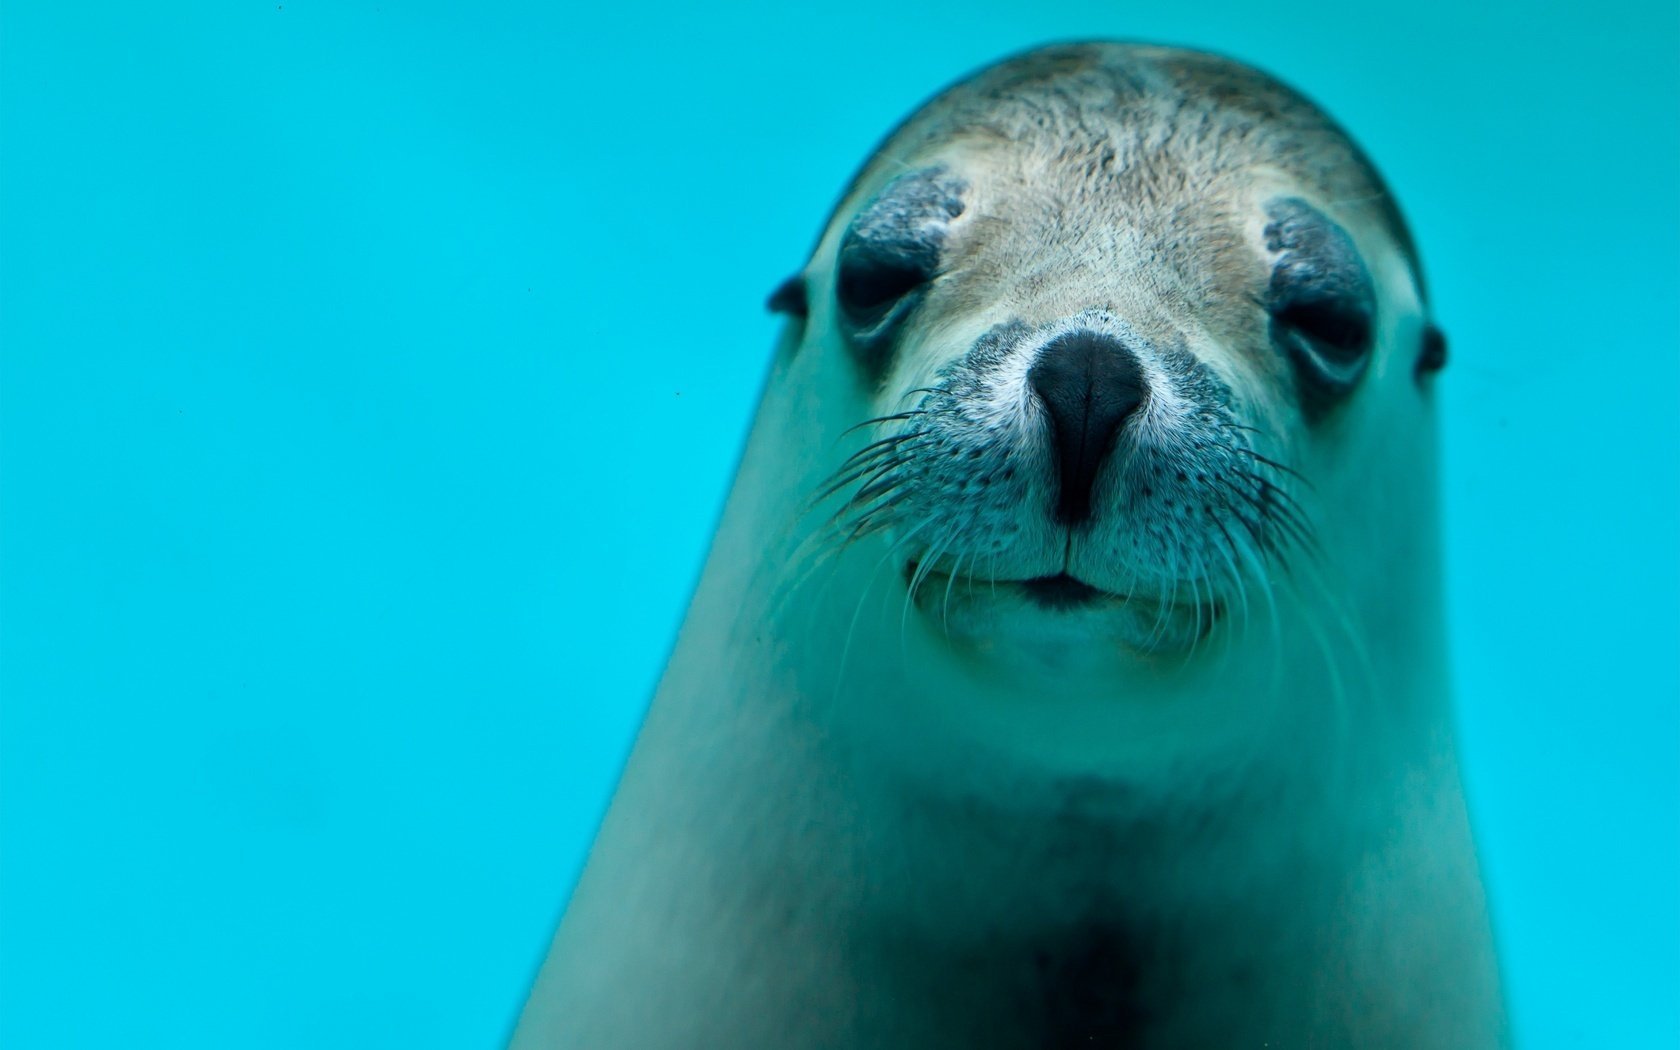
[(1432, 355), (789, 298)]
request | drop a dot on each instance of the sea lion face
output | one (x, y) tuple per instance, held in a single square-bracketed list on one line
[(1105, 320)]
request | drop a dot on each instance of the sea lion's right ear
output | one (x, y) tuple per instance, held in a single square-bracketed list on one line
[(790, 298)]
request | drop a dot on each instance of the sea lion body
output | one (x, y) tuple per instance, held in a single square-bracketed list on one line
[(1068, 668)]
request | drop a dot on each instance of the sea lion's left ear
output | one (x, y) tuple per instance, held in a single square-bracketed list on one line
[(1432, 354), (790, 298)]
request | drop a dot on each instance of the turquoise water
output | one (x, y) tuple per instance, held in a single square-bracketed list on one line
[(354, 480)]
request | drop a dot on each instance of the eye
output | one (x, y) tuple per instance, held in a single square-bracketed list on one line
[(1338, 329), (1328, 340), (888, 256), (1328, 343), (1322, 303), (874, 278)]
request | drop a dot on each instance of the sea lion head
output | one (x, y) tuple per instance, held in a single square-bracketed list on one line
[(1130, 340)]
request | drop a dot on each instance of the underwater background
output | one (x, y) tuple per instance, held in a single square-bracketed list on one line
[(373, 374)]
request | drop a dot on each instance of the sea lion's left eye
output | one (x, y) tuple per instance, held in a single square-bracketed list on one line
[(1322, 303), (1328, 340), (1339, 329)]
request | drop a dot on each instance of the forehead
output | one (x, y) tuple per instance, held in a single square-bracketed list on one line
[(1133, 133)]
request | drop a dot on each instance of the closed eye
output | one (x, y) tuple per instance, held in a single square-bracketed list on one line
[(1338, 327), (1322, 303), (889, 253), (873, 278)]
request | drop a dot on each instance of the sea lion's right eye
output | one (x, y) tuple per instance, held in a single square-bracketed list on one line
[(889, 254), (874, 278)]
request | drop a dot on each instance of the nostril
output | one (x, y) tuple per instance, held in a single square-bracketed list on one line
[(1090, 384)]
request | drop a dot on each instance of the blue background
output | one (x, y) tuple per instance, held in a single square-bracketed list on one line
[(373, 374)]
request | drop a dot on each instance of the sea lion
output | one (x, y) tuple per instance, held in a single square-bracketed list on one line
[(1068, 668)]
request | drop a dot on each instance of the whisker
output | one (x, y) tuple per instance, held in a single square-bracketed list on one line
[(910, 414), (872, 470), (1274, 464)]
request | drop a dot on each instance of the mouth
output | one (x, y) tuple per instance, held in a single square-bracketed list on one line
[(1062, 593)]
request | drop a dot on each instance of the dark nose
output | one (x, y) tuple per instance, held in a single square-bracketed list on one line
[(1090, 384)]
